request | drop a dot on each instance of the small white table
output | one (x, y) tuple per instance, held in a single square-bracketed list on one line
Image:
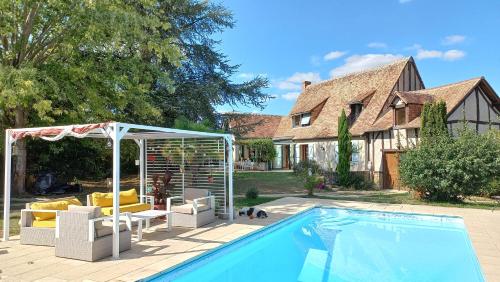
[(147, 216)]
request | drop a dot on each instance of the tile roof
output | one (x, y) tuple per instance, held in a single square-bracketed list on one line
[(409, 97), (452, 94), (338, 92), (249, 125)]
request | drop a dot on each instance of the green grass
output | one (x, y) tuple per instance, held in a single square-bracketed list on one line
[(407, 198), (269, 182), (244, 202)]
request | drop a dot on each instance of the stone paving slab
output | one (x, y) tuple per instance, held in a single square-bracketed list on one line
[(161, 250)]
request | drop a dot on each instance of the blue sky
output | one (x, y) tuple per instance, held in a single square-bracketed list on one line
[(291, 41)]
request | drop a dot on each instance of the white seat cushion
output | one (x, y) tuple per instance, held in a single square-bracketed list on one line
[(188, 208), (107, 229)]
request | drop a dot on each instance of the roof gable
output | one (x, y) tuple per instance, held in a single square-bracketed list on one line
[(338, 92)]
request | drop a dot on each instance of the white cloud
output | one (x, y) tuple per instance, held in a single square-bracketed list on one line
[(450, 55), (287, 85), (250, 75), (315, 60), (357, 63), (334, 55), (453, 55), (428, 54), (246, 75), (290, 96), (453, 39), (294, 82), (404, 1), (377, 45)]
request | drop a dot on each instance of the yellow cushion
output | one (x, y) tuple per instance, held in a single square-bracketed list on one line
[(127, 208), (50, 223), (106, 199), (128, 197), (102, 199), (59, 205)]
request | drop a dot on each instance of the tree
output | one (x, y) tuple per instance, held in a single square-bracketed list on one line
[(204, 78), (345, 149), (433, 120), (133, 61), (80, 61)]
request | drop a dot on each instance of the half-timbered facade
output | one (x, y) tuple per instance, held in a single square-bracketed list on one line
[(383, 107)]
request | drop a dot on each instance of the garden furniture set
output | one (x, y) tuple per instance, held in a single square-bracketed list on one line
[(85, 232)]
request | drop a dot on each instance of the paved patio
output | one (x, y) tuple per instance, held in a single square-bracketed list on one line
[(160, 250)]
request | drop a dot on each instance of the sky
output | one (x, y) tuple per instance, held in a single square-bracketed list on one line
[(295, 40)]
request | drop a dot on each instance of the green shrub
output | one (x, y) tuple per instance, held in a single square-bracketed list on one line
[(312, 182), (264, 149), (252, 193), (359, 182), (306, 167), (492, 188), (444, 168)]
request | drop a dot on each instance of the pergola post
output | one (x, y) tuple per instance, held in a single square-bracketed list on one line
[(140, 143), (183, 168), (7, 185), (230, 173), (116, 135)]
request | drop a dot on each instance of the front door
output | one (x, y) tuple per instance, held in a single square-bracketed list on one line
[(391, 170), (286, 156)]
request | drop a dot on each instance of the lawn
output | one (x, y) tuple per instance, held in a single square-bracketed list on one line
[(269, 182)]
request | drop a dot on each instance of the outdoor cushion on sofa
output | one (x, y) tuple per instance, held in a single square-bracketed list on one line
[(48, 223), (106, 199), (126, 208), (60, 205), (188, 208), (107, 229)]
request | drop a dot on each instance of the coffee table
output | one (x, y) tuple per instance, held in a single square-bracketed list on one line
[(147, 216)]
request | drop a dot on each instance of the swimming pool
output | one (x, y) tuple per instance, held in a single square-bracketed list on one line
[(330, 244)]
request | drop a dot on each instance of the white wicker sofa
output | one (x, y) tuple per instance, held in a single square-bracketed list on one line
[(197, 208)]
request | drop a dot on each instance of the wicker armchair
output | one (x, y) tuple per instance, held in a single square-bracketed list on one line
[(39, 221), (198, 208), (84, 235)]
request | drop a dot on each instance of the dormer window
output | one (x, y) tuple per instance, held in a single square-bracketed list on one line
[(301, 120), (400, 115), (356, 109), (399, 112)]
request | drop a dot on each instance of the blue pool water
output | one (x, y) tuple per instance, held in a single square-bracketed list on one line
[(325, 244)]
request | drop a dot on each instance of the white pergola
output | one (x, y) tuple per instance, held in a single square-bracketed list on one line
[(115, 131)]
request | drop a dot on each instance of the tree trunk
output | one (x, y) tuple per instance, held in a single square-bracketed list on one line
[(20, 163)]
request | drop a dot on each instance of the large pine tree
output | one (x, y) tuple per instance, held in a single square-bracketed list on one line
[(345, 150)]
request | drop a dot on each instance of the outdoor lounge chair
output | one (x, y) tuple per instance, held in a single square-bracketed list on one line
[(198, 208), (38, 221), (84, 235)]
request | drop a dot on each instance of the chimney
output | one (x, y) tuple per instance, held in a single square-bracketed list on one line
[(305, 84)]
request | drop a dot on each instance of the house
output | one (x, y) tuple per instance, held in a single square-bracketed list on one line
[(383, 107), (247, 126)]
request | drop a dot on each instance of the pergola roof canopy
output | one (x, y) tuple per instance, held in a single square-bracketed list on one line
[(101, 130)]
